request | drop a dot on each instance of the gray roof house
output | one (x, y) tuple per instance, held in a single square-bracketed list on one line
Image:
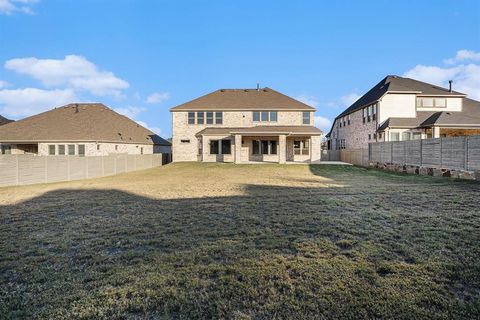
[(399, 108), (79, 129)]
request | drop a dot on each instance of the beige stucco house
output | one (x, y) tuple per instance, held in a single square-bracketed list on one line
[(245, 125), (399, 109), (80, 129)]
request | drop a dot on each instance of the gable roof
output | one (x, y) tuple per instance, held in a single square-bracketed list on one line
[(4, 120), (469, 116), (79, 122), (243, 99), (396, 84)]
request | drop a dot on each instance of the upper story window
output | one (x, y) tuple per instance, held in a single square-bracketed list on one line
[(348, 120), (264, 116), (205, 117), (306, 117), (51, 149), (370, 113), (431, 102)]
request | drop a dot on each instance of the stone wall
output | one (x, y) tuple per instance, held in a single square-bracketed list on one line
[(435, 172)]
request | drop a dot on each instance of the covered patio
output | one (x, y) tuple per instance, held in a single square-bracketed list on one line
[(269, 144)]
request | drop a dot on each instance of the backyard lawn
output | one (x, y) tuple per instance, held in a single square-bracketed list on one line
[(188, 241)]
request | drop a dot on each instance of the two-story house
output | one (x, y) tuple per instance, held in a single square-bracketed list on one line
[(400, 108), (245, 125)]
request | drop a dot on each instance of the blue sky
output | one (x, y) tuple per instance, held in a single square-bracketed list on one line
[(143, 57)]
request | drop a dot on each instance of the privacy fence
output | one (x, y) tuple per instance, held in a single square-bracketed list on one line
[(455, 153), (30, 169), (353, 156)]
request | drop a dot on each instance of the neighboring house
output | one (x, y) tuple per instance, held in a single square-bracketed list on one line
[(4, 120), (245, 125), (404, 109), (83, 129)]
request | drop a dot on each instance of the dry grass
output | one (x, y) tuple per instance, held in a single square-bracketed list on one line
[(243, 242)]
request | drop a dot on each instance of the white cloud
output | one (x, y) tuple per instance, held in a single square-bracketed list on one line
[(464, 55), (323, 123), (27, 101), (156, 130), (350, 98), (4, 84), (130, 111), (310, 100), (466, 78), (73, 71), (9, 7), (158, 97)]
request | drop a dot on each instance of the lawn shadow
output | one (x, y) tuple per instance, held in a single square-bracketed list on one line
[(84, 253)]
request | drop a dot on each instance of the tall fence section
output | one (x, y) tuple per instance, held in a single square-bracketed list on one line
[(353, 156), (30, 169), (446, 154)]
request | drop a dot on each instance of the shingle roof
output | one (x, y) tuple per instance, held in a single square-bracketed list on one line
[(469, 116), (308, 130), (397, 84), (244, 99), (4, 120), (79, 122)]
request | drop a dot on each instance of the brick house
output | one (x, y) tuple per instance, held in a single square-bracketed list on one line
[(400, 108), (82, 129), (245, 125)]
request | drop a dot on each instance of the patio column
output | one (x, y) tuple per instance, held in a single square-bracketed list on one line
[(282, 148), (435, 132), (238, 148), (315, 149)]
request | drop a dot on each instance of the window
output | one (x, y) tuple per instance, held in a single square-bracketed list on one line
[(191, 118), (61, 149), (200, 118), (256, 116), (141, 150), (116, 147), (264, 115), (209, 117), (405, 136), (81, 150), (273, 147), (6, 149), (218, 117), (416, 135), (255, 147), (380, 135), (213, 146), (340, 123), (273, 116), (364, 114), (226, 146), (369, 113), (440, 102), (98, 147), (348, 121), (51, 149), (344, 121), (306, 117), (369, 136), (425, 102), (301, 147), (71, 149), (374, 136), (394, 136), (185, 141), (374, 111)]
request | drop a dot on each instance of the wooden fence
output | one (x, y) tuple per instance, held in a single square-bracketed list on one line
[(30, 169), (457, 153), (354, 156)]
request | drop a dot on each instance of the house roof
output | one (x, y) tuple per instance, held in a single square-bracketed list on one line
[(396, 84), (469, 116), (262, 130), (4, 120), (244, 99), (79, 122)]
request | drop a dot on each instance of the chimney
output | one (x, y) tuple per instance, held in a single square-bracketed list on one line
[(258, 86), (450, 85)]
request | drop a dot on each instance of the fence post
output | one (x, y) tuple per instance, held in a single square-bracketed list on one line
[(465, 144)]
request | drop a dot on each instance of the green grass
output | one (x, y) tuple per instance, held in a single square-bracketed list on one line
[(189, 241)]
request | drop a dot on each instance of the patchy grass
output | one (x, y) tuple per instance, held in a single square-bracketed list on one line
[(242, 242)]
